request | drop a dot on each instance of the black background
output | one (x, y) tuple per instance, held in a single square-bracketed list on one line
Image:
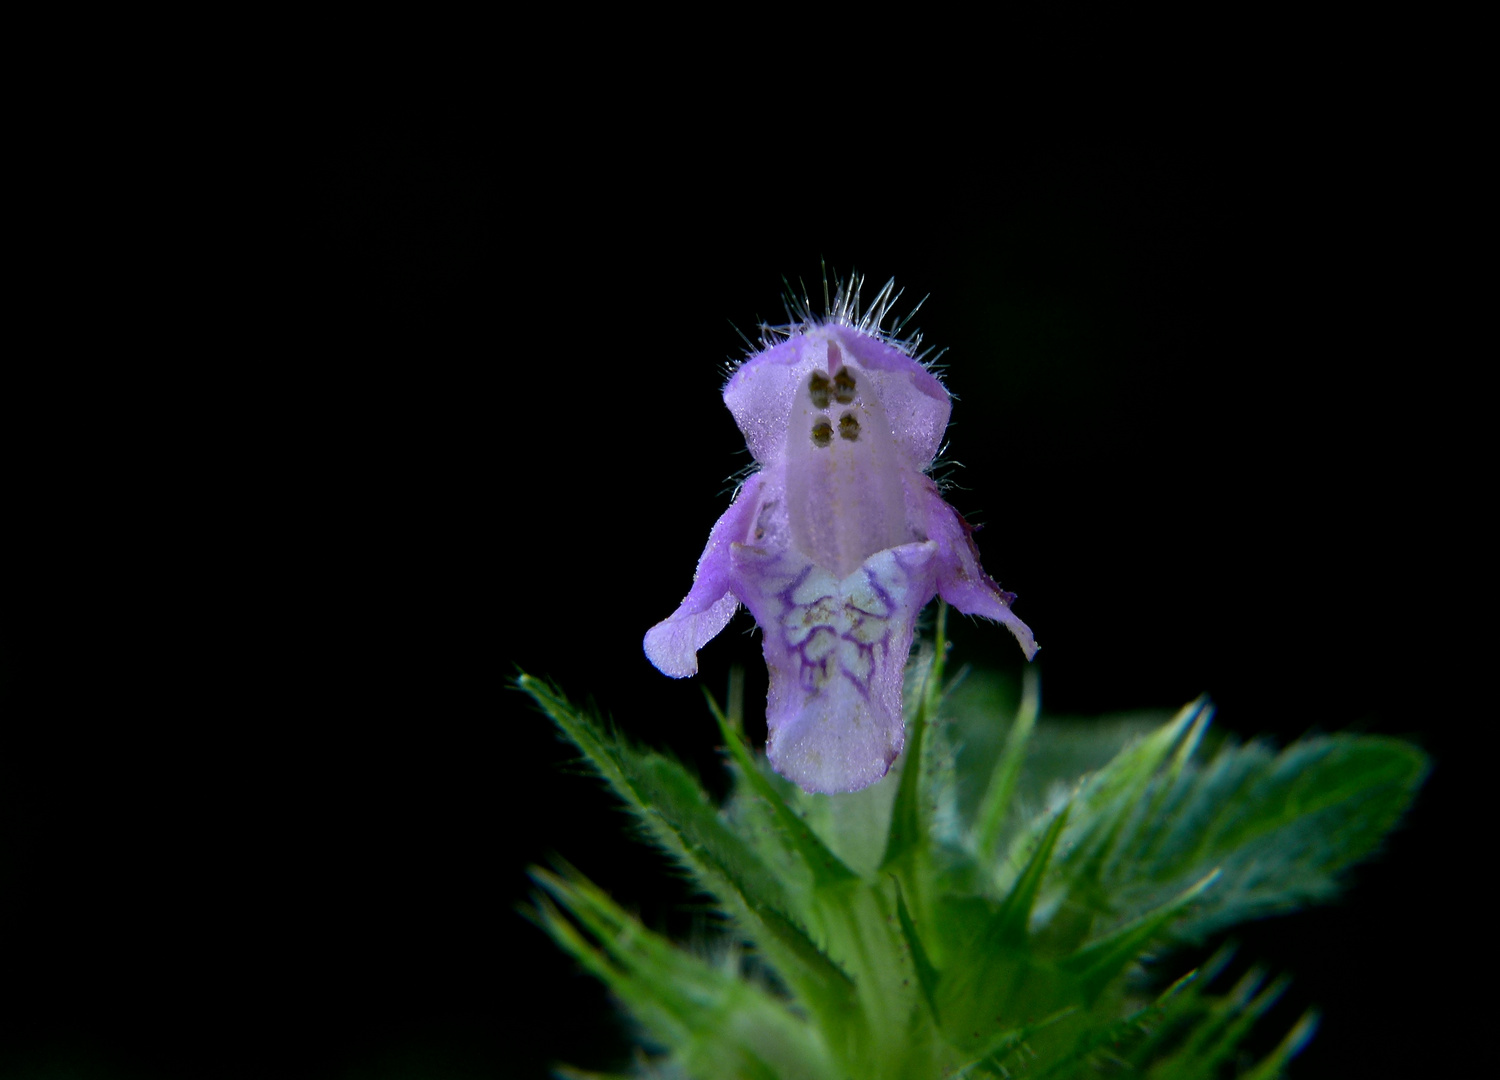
[(268, 796)]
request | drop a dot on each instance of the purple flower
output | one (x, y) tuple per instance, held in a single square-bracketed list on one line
[(836, 543)]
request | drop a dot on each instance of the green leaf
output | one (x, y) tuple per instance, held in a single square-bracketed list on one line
[(992, 1059), (717, 1024), (1216, 1041), (1109, 798), (1179, 997), (1096, 964), (1279, 828), (1276, 1061), (927, 975), (988, 974), (667, 801), (681, 818), (1002, 787)]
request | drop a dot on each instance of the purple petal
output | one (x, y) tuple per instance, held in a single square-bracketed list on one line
[(760, 395), (673, 644), (960, 579)]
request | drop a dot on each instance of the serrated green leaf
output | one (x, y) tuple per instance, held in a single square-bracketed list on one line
[(718, 1025), (1108, 800), (1280, 828), (993, 1056), (989, 974), (996, 803), (669, 802), (1139, 1034), (1096, 964), (1214, 1051), (683, 820), (660, 982), (820, 978), (1276, 1061)]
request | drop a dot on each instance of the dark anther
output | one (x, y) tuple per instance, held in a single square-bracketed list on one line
[(848, 427), (843, 387), (818, 388), (822, 433)]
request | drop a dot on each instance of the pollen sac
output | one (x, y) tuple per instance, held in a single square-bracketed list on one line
[(835, 545), (817, 389)]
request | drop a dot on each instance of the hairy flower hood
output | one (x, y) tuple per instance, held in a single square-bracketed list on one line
[(835, 545)]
